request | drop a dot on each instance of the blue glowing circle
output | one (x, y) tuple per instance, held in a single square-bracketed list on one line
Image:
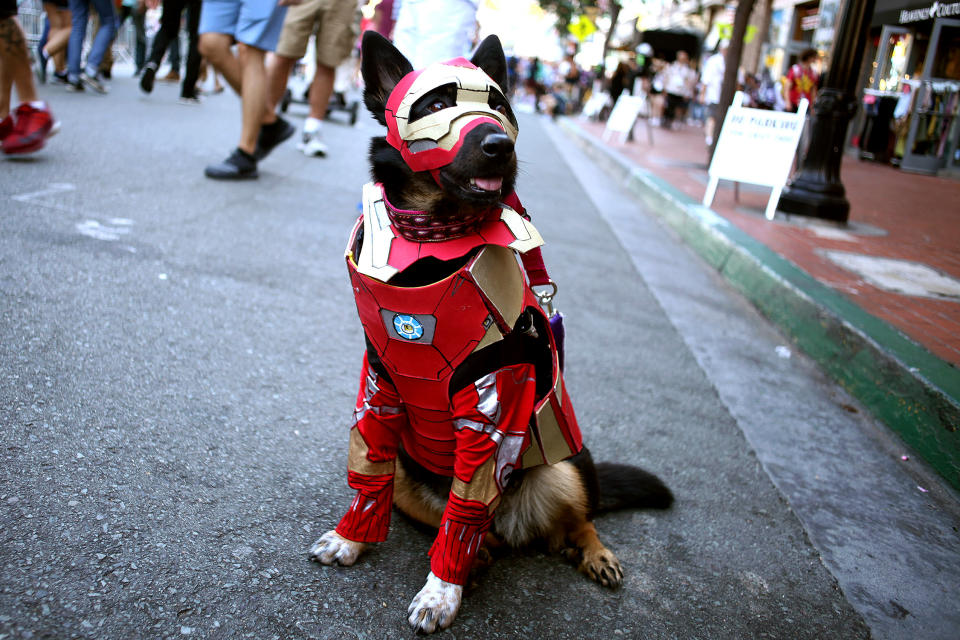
[(407, 327)]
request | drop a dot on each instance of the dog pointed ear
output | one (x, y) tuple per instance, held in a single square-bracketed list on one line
[(382, 66), (489, 57)]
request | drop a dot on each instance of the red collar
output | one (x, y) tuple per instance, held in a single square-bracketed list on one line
[(420, 226)]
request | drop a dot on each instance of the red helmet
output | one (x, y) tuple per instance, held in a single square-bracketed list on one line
[(432, 141)]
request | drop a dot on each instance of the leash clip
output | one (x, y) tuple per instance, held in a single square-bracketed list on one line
[(545, 298)]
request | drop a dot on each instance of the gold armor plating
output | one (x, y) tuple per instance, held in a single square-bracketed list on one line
[(358, 462), (482, 486)]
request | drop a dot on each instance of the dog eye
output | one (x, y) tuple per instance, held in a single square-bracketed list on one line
[(436, 105), (502, 108)]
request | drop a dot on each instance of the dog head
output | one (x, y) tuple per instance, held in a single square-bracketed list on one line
[(450, 130)]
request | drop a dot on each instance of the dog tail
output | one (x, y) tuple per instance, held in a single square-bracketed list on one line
[(624, 487)]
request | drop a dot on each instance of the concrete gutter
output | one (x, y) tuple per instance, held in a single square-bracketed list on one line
[(911, 390)]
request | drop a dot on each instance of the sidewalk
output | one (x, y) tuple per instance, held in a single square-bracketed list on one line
[(888, 331)]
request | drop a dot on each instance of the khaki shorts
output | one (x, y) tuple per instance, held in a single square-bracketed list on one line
[(335, 23)]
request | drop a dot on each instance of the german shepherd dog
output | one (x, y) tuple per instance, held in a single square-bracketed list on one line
[(550, 503)]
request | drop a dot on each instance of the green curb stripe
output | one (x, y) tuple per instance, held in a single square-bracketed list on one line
[(911, 390)]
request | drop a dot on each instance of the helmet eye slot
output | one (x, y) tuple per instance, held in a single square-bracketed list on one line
[(435, 100), (498, 102)]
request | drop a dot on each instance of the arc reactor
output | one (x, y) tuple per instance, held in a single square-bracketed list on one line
[(407, 327)]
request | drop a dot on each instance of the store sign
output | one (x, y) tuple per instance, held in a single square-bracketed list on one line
[(936, 10), (809, 22), (756, 146)]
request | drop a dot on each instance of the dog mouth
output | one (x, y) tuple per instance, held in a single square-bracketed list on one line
[(486, 185), (478, 190)]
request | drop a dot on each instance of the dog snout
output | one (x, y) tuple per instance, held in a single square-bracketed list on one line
[(497, 145)]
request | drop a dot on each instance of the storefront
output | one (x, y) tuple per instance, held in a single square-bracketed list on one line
[(912, 87)]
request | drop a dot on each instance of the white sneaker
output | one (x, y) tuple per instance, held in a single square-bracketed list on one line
[(311, 144)]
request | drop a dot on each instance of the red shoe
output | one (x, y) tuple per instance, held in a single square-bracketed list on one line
[(30, 130), (6, 126)]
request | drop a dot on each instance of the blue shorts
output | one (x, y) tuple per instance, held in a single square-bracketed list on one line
[(254, 22)]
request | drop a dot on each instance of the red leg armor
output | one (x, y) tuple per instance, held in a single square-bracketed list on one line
[(465, 522), (380, 419)]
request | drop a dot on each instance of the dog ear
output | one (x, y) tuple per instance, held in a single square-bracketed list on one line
[(489, 57), (382, 66)]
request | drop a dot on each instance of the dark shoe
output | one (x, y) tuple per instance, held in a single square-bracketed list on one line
[(239, 166), (146, 80), (59, 77), (271, 135), (93, 81), (74, 85)]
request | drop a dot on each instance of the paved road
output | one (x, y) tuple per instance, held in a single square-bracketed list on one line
[(179, 359)]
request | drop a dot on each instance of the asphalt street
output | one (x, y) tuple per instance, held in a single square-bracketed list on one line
[(179, 360)]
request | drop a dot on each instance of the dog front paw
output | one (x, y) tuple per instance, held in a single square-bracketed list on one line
[(603, 567), (435, 606), (333, 548)]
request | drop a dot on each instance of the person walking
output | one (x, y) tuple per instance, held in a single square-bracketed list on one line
[(26, 129), (621, 80), (56, 35), (255, 26), (136, 10), (801, 82), (711, 78), (79, 77), (679, 81), (429, 31), (169, 32), (334, 25)]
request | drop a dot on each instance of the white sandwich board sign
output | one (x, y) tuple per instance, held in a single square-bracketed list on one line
[(624, 114), (756, 146)]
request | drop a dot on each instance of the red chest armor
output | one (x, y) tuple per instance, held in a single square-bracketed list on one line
[(422, 334)]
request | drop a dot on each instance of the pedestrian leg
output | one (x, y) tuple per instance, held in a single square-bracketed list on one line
[(27, 129), (188, 90), (79, 15), (253, 95), (215, 47)]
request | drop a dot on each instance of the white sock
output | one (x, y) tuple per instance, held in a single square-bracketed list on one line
[(39, 104), (312, 125)]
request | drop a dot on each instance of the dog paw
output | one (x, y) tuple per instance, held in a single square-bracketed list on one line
[(602, 567), (435, 606), (333, 548)]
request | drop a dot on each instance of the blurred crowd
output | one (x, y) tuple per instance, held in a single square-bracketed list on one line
[(679, 90)]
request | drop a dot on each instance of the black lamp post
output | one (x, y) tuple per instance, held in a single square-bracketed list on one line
[(816, 190)]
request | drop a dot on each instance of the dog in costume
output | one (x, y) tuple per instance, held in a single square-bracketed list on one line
[(462, 419)]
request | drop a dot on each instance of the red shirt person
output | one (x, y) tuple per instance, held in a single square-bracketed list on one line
[(801, 81)]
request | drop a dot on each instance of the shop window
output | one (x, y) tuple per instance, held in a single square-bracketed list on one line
[(947, 61)]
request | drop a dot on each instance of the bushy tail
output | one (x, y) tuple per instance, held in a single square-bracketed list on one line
[(626, 487)]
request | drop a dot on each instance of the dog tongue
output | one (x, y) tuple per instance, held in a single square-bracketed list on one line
[(488, 184)]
